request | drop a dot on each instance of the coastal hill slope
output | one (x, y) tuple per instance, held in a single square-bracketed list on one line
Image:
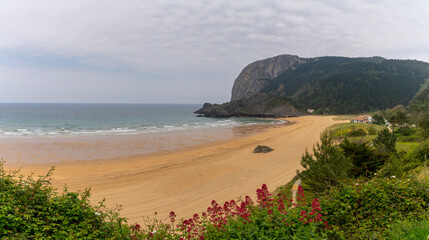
[(331, 85)]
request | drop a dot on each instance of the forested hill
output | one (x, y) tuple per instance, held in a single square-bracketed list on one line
[(340, 85)]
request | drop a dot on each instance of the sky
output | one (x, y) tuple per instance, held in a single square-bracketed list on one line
[(183, 51)]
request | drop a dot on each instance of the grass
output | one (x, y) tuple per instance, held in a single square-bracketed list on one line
[(344, 117), (406, 146), (341, 129), (409, 230), (287, 188), (404, 143)]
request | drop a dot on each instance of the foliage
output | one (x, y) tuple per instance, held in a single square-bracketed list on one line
[(378, 119), (269, 217), (356, 133), (399, 165), (407, 131), (364, 209), (385, 142), (342, 129), (410, 230), (326, 167), (398, 117), (424, 125), (365, 161), (31, 208), (340, 85), (409, 144), (372, 130)]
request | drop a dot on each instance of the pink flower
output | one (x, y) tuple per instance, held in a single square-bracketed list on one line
[(172, 217)]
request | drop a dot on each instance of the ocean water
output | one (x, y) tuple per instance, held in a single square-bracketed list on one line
[(58, 119)]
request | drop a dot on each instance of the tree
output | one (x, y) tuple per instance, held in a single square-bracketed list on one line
[(385, 141), (399, 118), (362, 156), (424, 125), (326, 167), (416, 108), (378, 119)]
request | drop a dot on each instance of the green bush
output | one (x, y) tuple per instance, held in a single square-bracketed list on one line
[(372, 130), (356, 133), (401, 164), (31, 208), (365, 209), (406, 131)]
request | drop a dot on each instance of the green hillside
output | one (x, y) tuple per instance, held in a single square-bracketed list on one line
[(341, 85)]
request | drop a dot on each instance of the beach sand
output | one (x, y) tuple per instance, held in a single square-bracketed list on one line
[(186, 180)]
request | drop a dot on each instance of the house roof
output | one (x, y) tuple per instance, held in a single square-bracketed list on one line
[(361, 118)]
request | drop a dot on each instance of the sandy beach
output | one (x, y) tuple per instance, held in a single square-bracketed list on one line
[(187, 179)]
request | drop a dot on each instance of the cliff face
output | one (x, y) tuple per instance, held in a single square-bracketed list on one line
[(257, 74)]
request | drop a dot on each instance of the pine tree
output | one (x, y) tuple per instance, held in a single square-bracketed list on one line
[(385, 141), (364, 159), (326, 167)]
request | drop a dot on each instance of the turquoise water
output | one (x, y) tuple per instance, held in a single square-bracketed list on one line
[(51, 119)]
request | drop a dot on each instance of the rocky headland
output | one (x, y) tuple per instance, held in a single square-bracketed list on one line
[(287, 85), (256, 105)]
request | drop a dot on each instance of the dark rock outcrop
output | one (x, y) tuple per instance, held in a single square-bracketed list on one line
[(256, 75), (256, 105), (262, 149)]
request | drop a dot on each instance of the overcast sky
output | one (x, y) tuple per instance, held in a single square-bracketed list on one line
[(183, 51)]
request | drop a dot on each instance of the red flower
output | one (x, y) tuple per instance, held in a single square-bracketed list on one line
[(172, 217)]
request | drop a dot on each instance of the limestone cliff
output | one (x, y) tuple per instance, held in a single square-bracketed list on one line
[(257, 74)]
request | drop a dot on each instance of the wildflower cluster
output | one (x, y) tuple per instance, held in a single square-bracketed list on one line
[(239, 219), (268, 216)]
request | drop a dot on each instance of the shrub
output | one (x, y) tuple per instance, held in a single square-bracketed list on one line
[(372, 130), (406, 131), (401, 164), (363, 210), (356, 133), (326, 167), (385, 141), (31, 208)]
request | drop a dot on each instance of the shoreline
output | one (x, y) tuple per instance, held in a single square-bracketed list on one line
[(186, 180), (18, 151)]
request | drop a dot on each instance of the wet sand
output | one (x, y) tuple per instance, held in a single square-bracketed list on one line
[(187, 179), (24, 150)]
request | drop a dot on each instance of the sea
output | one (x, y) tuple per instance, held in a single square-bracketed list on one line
[(76, 119)]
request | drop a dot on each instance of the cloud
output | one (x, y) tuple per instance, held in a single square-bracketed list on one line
[(210, 36)]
